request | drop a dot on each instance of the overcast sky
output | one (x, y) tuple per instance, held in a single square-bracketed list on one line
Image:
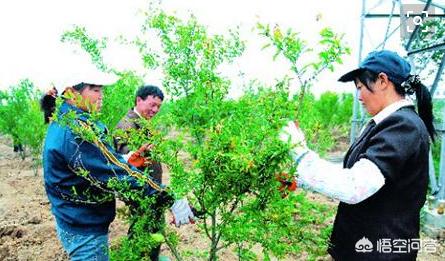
[(30, 44)]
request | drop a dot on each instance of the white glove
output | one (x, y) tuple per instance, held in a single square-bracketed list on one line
[(182, 212), (293, 134)]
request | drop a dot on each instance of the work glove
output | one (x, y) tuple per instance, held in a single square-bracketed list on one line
[(138, 159), (292, 133), (182, 213), (287, 184)]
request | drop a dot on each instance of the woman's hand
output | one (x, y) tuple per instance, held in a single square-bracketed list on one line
[(292, 133)]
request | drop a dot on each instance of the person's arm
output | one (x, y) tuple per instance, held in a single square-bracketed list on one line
[(100, 164), (351, 186)]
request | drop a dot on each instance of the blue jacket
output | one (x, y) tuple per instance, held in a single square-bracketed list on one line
[(84, 203)]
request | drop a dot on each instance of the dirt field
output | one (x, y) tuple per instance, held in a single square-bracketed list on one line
[(27, 229)]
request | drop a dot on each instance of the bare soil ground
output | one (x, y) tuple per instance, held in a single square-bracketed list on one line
[(27, 230)]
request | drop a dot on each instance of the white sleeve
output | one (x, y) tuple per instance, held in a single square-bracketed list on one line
[(351, 186), (127, 156)]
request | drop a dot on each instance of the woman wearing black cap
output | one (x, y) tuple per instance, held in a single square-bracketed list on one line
[(384, 179)]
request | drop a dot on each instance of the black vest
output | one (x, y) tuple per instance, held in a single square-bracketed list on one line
[(399, 147)]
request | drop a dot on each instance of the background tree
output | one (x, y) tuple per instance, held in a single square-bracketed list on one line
[(22, 120)]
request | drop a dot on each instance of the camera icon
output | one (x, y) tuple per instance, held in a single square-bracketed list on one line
[(415, 15), (417, 20)]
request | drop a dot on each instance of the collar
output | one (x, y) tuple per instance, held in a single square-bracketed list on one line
[(81, 115), (137, 113), (388, 110), (66, 107)]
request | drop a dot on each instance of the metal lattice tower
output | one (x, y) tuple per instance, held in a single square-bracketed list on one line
[(369, 14)]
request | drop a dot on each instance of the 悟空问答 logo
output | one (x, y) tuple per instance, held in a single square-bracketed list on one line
[(364, 246)]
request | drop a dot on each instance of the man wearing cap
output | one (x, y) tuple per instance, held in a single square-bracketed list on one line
[(383, 182), (81, 173)]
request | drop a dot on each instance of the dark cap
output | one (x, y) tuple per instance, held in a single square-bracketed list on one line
[(388, 62)]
